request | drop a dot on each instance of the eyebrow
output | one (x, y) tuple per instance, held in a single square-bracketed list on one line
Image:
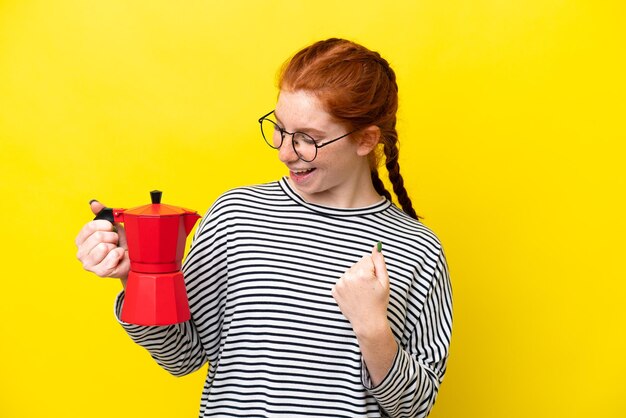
[(312, 131)]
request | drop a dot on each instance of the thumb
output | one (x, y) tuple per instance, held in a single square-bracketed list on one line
[(96, 206), (380, 267)]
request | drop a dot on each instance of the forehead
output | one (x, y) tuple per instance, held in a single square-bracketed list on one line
[(300, 109)]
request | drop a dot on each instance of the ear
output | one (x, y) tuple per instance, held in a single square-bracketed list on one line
[(367, 140)]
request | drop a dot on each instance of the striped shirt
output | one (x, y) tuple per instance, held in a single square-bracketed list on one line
[(259, 276)]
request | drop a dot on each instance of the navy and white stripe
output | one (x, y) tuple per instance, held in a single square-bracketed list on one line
[(259, 278)]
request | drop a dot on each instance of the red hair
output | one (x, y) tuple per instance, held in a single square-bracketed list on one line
[(358, 88)]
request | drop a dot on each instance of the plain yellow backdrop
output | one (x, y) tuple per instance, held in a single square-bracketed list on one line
[(512, 137)]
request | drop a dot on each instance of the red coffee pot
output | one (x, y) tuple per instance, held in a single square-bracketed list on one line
[(156, 235)]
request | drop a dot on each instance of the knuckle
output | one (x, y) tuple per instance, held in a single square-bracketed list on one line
[(90, 226), (97, 272), (97, 249), (87, 266)]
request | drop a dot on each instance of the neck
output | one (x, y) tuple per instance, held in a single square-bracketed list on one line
[(355, 192)]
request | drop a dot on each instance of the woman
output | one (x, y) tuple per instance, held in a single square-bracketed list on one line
[(293, 304)]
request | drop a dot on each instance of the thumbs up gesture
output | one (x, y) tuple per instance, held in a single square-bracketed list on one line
[(362, 292)]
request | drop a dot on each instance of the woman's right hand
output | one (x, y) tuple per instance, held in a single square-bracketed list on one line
[(101, 249)]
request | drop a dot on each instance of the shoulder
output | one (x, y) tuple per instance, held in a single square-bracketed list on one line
[(237, 201), (405, 225), (247, 195), (413, 237)]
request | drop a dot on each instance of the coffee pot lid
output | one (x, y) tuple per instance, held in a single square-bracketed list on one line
[(156, 208)]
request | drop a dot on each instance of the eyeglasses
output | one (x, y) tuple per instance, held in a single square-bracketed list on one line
[(303, 144)]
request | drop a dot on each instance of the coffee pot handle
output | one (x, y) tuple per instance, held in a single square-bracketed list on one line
[(105, 214)]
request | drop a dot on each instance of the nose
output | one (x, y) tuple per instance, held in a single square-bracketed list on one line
[(286, 153)]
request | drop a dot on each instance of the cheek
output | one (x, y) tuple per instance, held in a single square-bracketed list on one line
[(343, 160), (335, 158)]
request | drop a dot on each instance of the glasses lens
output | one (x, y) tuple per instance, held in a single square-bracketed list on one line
[(304, 146), (271, 133)]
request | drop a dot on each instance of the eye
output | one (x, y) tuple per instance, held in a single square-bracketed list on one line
[(304, 139)]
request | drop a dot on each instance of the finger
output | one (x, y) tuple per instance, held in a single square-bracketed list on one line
[(93, 240), (96, 206), (380, 267), (364, 266), (121, 232), (339, 289), (91, 227), (110, 265), (97, 255), (97, 237), (123, 265)]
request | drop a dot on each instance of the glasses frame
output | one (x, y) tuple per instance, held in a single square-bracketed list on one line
[(284, 133)]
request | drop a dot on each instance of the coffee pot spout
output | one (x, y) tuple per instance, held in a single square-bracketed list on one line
[(190, 220)]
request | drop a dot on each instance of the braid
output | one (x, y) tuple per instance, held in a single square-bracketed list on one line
[(393, 168), (379, 186)]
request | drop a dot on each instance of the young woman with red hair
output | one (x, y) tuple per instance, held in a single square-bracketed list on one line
[(294, 306)]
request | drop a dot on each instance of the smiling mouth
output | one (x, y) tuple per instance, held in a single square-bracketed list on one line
[(300, 176), (302, 172)]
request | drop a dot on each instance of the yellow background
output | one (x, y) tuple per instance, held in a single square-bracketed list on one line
[(512, 146)]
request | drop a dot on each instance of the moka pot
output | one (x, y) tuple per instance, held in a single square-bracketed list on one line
[(156, 235)]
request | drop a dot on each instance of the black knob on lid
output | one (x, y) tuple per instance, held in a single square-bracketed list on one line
[(155, 195)]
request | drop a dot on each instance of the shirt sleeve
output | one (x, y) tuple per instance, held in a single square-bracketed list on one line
[(176, 348), (412, 383)]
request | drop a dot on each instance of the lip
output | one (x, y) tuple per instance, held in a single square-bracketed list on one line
[(300, 176)]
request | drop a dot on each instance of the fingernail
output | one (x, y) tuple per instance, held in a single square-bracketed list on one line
[(93, 200), (379, 247)]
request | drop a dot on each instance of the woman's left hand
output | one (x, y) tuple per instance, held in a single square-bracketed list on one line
[(362, 293)]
